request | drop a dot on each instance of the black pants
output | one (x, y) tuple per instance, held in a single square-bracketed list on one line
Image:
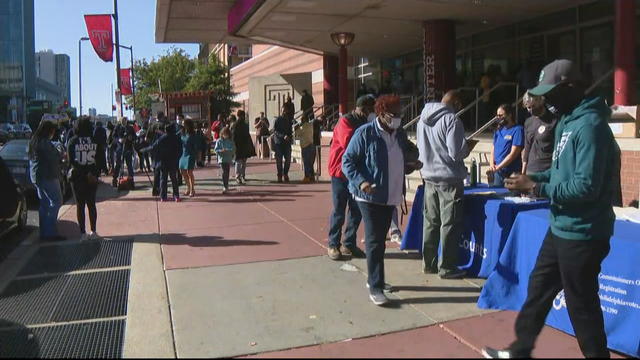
[(165, 174), (226, 169), (127, 157), (572, 265), (377, 219), (156, 181), (85, 194), (145, 162)]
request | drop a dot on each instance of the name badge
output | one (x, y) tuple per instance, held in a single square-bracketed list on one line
[(508, 137)]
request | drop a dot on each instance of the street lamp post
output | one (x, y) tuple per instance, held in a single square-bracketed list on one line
[(343, 40), (80, 71)]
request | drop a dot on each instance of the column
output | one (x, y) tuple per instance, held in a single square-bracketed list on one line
[(343, 87), (624, 61), (439, 58)]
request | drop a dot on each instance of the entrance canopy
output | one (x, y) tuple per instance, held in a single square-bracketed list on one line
[(383, 28)]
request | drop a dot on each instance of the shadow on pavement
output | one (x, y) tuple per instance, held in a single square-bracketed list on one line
[(437, 288), (441, 300), (194, 241)]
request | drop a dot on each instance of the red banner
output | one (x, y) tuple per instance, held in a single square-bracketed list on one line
[(125, 81), (99, 29)]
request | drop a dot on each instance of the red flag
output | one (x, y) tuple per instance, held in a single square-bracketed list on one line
[(99, 29), (125, 81)]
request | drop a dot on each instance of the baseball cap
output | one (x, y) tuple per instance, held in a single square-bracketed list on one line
[(556, 72), (366, 100)]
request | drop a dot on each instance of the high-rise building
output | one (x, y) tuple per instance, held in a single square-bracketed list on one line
[(93, 112), (54, 69), (17, 67)]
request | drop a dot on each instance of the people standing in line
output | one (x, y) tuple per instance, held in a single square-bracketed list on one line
[(225, 149), (112, 145), (288, 109), (374, 164), (282, 139), (100, 137), (342, 134), (124, 137), (581, 183), (166, 152), (208, 142), (306, 105), (141, 143), (261, 124), (538, 135), (190, 152), (443, 147), (304, 132), (201, 141), (82, 152), (244, 146), (217, 126), (508, 142), (44, 163), (155, 132)]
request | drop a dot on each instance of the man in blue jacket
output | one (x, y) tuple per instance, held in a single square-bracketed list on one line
[(166, 151), (581, 184)]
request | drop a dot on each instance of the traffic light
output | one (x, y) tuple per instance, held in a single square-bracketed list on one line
[(65, 104)]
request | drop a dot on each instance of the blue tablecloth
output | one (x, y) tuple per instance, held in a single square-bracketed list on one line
[(487, 223), (506, 288)]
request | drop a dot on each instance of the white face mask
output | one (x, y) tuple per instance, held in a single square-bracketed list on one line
[(371, 117), (395, 123)]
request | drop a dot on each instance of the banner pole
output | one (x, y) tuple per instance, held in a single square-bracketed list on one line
[(117, 48)]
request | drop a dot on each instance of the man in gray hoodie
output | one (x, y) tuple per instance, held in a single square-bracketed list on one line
[(443, 147)]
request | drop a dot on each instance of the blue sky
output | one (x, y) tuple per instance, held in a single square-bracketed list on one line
[(60, 23)]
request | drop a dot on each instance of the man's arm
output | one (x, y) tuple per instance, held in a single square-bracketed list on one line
[(513, 155), (593, 148)]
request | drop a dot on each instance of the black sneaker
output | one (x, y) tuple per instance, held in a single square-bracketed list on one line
[(452, 274), (491, 353)]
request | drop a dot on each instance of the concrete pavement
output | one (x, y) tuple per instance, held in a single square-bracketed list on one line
[(246, 274)]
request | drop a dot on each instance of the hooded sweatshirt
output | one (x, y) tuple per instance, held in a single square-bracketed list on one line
[(442, 144), (584, 175)]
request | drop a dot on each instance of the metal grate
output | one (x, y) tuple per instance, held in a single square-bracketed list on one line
[(65, 258), (103, 339), (65, 298)]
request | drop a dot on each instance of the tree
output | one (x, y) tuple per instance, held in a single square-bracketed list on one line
[(213, 75), (174, 70)]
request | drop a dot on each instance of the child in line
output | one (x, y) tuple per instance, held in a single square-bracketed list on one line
[(225, 149)]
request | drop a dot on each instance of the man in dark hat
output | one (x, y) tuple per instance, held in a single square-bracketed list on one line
[(581, 185), (342, 134)]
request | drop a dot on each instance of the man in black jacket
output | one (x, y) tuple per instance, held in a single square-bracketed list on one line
[(100, 138), (166, 151)]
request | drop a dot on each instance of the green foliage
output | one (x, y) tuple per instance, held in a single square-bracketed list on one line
[(178, 72)]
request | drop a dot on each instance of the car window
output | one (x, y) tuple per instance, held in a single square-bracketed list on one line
[(15, 151)]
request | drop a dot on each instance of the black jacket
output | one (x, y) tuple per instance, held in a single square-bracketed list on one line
[(166, 150), (242, 140)]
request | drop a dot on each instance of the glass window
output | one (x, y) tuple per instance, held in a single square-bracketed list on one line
[(562, 46), (548, 22), (596, 10)]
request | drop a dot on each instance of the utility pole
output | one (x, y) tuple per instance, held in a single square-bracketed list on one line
[(115, 18), (80, 71)]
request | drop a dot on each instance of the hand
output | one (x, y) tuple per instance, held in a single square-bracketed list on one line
[(366, 187), (520, 183)]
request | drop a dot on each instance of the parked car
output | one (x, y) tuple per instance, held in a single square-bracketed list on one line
[(23, 131), (13, 207), (15, 155), (8, 129)]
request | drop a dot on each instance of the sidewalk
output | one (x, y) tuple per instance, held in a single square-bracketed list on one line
[(246, 274)]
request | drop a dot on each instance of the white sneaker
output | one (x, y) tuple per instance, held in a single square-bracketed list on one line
[(225, 190), (387, 287), (396, 238), (94, 235), (378, 299)]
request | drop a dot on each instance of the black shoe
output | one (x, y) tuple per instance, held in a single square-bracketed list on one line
[(452, 274), (114, 183), (357, 253), (491, 353)]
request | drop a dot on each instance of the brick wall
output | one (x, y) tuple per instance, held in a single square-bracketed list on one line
[(630, 177)]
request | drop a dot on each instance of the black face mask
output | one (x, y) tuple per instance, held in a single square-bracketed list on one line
[(563, 99)]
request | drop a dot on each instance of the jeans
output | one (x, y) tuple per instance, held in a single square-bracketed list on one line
[(85, 194), (226, 169), (443, 222), (394, 228), (498, 180), (572, 265), (145, 163), (128, 158), (165, 173), (308, 159), (283, 151), (377, 219), (50, 197), (241, 168), (342, 198)]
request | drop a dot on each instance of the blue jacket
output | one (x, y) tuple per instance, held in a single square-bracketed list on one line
[(366, 160), (166, 150)]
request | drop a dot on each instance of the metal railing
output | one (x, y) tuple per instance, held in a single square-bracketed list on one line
[(411, 126)]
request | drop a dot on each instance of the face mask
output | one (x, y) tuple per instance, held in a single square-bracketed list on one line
[(395, 123), (371, 117)]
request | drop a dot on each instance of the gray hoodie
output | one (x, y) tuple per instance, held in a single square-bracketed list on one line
[(442, 144)]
